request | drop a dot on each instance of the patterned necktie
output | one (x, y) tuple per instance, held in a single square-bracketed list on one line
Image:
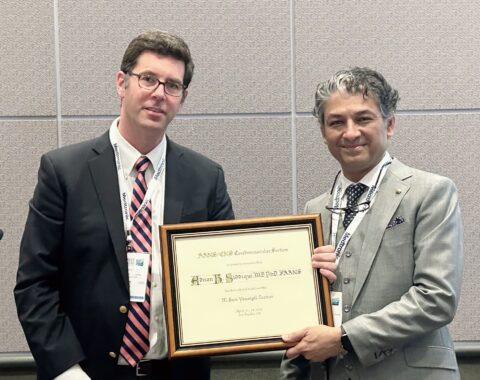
[(136, 341), (354, 191)]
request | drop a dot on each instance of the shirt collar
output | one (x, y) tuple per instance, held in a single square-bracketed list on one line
[(370, 178), (129, 155)]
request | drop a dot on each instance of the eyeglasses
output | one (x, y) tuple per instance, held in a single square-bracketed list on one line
[(150, 83), (361, 207)]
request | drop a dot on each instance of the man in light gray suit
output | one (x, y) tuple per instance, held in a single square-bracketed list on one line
[(396, 254)]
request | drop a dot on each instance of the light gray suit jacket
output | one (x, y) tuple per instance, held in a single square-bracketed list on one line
[(404, 288)]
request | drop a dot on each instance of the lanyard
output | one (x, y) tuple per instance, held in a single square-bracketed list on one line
[(125, 194), (335, 219)]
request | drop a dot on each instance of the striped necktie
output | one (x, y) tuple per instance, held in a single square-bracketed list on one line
[(136, 341)]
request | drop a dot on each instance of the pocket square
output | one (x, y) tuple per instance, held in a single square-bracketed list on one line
[(395, 221)]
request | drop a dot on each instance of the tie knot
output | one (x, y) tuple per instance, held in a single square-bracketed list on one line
[(142, 164), (354, 191)]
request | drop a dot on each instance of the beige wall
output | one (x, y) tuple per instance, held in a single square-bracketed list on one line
[(257, 64)]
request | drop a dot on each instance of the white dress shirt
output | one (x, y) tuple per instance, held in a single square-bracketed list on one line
[(128, 156)]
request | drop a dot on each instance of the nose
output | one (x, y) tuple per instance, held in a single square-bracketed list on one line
[(351, 130), (160, 90)]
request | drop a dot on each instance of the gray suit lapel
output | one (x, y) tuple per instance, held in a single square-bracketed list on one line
[(105, 179), (391, 193), (326, 219)]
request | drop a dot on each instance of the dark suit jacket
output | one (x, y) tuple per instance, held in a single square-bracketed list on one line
[(72, 276)]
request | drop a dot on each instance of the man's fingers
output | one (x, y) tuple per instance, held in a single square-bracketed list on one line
[(295, 336), (292, 352), (331, 276), (329, 257), (324, 249), (324, 265)]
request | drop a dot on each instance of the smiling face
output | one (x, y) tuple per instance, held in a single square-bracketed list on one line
[(144, 114), (355, 132)]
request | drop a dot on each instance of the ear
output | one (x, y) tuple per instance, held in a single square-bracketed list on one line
[(184, 96), (322, 129), (120, 78), (391, 122)]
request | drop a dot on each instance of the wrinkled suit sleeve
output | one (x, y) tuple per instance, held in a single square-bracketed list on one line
[(432, 299), (49, 332)]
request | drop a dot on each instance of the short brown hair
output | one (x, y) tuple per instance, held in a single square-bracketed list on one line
[(162, 43)]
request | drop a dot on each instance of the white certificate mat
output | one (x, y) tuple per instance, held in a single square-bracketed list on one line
[(237, 286)]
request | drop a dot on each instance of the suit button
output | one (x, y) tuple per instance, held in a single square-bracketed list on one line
[(347, 308), (346, 280), (349, 367), (123, 309), (112, 354), (348, 254)]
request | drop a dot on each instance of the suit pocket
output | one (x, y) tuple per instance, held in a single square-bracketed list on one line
[(431, 357), (398, 237)]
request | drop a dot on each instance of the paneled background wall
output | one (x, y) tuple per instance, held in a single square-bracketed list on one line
[(257, 65)]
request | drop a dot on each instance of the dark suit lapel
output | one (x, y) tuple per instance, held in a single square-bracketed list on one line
[(392, 191), (175, 181), (105, 179)]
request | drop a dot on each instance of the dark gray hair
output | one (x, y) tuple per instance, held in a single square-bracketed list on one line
[(359, 80), (162, 43)]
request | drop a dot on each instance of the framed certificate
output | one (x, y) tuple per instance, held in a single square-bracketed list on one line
[(238, 286)]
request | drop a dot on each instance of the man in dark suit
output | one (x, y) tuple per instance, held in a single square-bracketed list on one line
[(100, 201)]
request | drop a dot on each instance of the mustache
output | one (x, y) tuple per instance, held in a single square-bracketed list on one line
[(351, 144)]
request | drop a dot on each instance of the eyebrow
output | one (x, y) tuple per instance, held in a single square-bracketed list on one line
[(149, 72), (358, 113), (369, 112)]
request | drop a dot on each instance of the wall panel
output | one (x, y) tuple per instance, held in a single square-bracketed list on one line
[(255, 154), (21, 146), (241, 51), (427, 49), (27, 79)]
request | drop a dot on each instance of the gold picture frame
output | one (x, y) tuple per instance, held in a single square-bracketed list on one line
[(236, 286)]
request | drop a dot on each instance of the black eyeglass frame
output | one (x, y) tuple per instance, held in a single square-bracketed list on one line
[(361, 207), (159, 82)]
